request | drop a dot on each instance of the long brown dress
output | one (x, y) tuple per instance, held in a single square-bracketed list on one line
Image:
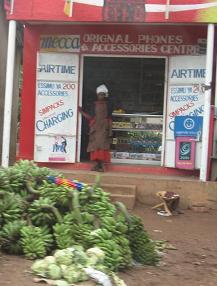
[(100, 133)]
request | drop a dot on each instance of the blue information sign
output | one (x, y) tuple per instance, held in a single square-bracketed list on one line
[(188, 126)]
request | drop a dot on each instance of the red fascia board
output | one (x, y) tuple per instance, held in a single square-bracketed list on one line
[(53, 11)]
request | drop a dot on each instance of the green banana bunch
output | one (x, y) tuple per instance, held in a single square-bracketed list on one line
[(40, 212), (100, 235), (10, 208), (10, 237), (36, 242), (142, 247), (116, 227), (24, 171), (81, 234), (101, 209), (16, 179), (116, 248), (86, 218), (85, 195), (58, 195), (125, 251), (19, 173), (69, 232), (39, 174), (63, 235), (4, 180), (98, 194), (112, 254)]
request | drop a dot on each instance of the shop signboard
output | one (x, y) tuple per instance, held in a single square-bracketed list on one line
[(60, 43), (188, 126), (117, 40), (185, 89), (185, 153), (56, 107), (119, 11), (185, 98)]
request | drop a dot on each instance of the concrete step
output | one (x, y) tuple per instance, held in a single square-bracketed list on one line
[(125, 194), (117, 189), (122, 193), (128, 200)]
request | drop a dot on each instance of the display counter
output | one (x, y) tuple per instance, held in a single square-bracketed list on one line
[(137, 138)]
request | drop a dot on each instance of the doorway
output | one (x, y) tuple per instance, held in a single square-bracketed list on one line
[(135, 84)]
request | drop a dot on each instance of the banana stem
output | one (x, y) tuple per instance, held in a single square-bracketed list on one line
[(97, 182), (31, 190), (121, 207), (54, 211), (76, 205)]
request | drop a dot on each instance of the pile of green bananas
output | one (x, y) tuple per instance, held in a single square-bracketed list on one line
[(38, 216)]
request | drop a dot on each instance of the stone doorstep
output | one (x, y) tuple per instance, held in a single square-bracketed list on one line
[(125, 194), (119, 189), (128, 200)]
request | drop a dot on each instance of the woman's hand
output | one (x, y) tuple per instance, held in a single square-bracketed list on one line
[(79, 109)]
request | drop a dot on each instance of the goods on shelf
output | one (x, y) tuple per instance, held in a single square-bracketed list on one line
[(137, 137)]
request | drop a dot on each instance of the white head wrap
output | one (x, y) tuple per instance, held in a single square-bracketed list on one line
[(102, 88)]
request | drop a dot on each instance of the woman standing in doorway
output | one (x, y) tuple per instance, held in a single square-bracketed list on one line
[(100, 130)]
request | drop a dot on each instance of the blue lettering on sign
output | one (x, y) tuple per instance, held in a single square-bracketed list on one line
[(178, 98), (188, 73), (49, 68), (49, 92), (42, 125), (198, 111), (60, 42)]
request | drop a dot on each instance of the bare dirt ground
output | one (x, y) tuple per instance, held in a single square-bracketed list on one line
[(193, 263)]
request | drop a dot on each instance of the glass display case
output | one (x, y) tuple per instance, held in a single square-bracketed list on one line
[(137, 138)]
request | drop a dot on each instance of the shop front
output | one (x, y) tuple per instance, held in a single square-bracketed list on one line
[(154, 73)]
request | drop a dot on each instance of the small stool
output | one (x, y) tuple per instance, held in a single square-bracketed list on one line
[(167, 198)]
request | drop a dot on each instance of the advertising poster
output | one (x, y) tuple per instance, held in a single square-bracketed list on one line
[(56, 107), (185, 153)]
